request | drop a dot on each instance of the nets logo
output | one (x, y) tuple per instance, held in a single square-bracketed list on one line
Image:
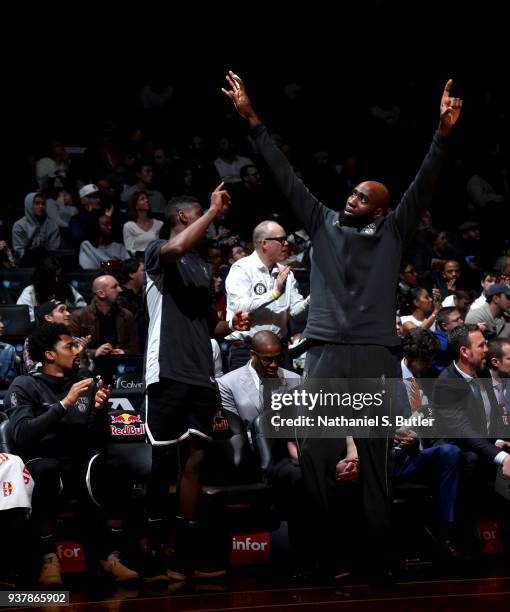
[(7, 488), (488, 533), (250, 549)]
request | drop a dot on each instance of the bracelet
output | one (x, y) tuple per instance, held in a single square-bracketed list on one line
[(275, 293)]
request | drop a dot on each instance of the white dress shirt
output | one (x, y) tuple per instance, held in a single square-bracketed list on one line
[(249, 286)]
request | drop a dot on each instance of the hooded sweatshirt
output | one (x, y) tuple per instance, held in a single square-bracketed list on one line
[(32, 232)]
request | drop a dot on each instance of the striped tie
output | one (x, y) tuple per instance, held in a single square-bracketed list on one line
[(414, 394)]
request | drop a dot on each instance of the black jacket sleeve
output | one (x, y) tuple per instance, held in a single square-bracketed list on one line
[(20, 406), (450, 411), (305, 205), (421, 191)]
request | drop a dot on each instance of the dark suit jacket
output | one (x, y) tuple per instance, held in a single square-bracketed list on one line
[(460, 416)]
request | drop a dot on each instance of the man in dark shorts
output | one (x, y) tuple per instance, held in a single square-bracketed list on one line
[(179, 376)]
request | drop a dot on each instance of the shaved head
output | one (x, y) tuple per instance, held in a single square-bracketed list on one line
[(102, 282), (379, 194), (263, 340)]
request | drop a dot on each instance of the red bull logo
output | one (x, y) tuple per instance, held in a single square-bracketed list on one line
[(6, 488), (126, 424)]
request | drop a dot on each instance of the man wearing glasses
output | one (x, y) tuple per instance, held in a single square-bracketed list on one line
[(261, 285)]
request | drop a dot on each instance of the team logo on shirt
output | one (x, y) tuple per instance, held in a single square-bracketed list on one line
[(7, 488), (81, 404), (259, 288), (368, 229)]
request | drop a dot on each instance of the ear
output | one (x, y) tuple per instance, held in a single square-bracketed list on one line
[(183, 218), (50, 356)]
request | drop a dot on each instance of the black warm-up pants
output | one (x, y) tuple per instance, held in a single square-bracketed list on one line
[(339, 520)]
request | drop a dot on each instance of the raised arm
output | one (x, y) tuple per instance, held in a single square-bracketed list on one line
[(419, 195), (305, 205), (181, 243)]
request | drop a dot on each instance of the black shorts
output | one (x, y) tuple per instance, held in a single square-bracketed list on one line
[(176, 410)]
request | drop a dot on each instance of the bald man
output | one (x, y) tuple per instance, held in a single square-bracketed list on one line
[(262, 285), (351, 323), (112, 328)]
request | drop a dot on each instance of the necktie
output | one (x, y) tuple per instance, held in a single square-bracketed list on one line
[(414, 394), (476, 390), (499, 393)]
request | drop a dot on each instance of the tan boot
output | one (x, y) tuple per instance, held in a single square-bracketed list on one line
[(50, 572), (117, 569)]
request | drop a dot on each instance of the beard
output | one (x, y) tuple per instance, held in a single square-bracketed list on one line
[(356, 221)]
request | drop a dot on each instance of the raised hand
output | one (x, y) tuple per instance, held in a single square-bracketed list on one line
[(237, 93), (219, 197), (449, 110), (74, 393), (281, 279), (102, 395), (241, 321)]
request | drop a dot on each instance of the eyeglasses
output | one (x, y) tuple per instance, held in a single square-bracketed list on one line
[(269, 359), (361, 196), (281, 239)]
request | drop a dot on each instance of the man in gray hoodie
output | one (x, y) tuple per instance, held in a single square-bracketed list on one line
[(35, 230)]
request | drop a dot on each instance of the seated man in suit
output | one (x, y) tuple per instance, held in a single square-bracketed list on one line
[(440, 465), (467, 414), (241, 393), (498, 362)]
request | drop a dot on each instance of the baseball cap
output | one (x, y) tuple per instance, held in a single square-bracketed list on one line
[(46, 308), (88, 189), (468, 225), (499, 288)]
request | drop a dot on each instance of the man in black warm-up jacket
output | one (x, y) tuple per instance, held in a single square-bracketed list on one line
[(59, 424), (351, 321)]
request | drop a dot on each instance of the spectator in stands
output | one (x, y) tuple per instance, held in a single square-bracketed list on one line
[(131, 298), (141, 227), (164, 172), (439, 465), (425, 309), (504, 258), (488, 279), (48, 283), (229, 163), (82, 225), (111, 327), (235, 253), (408, 281), (145, 176), (35, 232), (54, 169), (7, 260), (7, 359), (259, 284), (461, 300), (58, 422), (60, 208), (434, 253), (498, 361), (101, 249), (467, 414), (447, 280), (493, 313), (447, 319)]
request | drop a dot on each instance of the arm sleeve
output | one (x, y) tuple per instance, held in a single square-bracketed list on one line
[(306, 206), (298, 304), (27, 428), (53, 238), (238, 286), (128, 236), (453, 421), (52, 212), (421, 191), (19, 239), (227, 397)]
